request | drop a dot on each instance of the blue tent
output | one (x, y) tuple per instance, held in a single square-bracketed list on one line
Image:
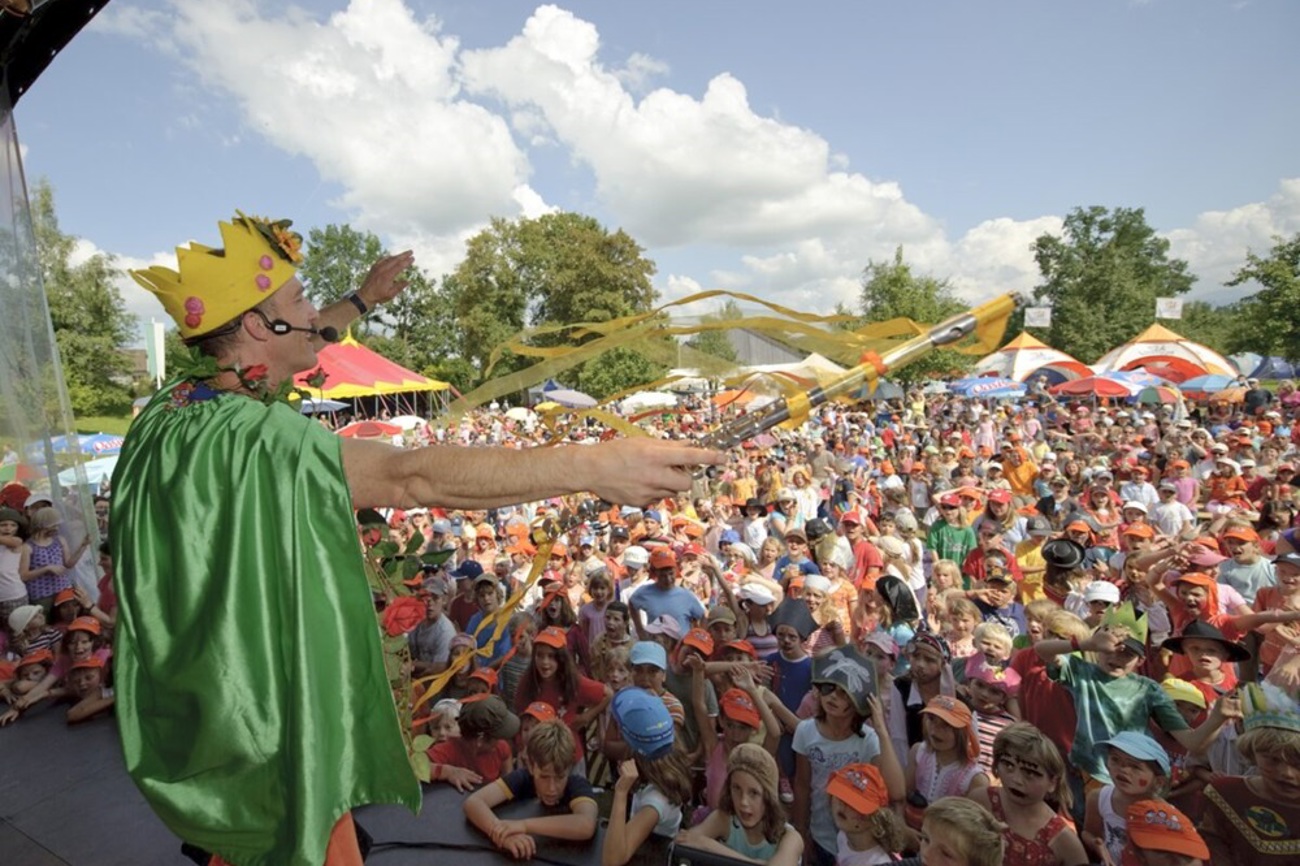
[(1274, 367)]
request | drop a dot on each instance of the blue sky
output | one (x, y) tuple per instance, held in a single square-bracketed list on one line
[(757, 146)]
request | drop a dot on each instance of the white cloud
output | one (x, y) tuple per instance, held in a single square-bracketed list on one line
[(1215, 245), (427, 141), (371, 97), (138, 301)]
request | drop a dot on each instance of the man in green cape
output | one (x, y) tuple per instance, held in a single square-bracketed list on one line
[(254, 707)]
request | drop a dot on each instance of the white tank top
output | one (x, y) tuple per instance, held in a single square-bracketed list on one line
[(1114, 826)]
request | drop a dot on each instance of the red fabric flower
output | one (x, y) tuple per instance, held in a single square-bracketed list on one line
[(403, 615), (255, 373)]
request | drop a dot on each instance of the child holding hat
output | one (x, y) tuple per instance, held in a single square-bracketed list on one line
[(869, 831), (749, 823), (656, 777)]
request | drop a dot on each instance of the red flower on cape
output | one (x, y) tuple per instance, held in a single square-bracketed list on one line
[(403, 615)]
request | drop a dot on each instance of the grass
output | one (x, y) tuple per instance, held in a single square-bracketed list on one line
[(115, 425)]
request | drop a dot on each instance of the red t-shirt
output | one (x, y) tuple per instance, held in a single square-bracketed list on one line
[(460, 752), (461, 610), (589, 693), (1045, 703)]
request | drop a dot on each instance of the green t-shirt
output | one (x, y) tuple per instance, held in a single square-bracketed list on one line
[(1106, 705)]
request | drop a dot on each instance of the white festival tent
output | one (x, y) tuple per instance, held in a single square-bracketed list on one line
[(1026, 355), (810, 370), (1159, 346)]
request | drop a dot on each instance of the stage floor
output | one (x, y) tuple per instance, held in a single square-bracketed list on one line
[(65, 798)]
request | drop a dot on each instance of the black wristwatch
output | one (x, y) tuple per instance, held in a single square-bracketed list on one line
[(357, 302)]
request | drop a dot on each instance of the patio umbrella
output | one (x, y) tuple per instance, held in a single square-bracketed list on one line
[(311, 406), (22, 472), (96, 471), (642, 400), (1208, 384), (1229, 395), (985, 388), (369, 430), (571, 399), (407, 422), (1095, 386), (733, 397), (1158, 394)]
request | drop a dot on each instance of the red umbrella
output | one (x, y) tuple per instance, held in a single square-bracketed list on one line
[(1093, 386), (369, 430)]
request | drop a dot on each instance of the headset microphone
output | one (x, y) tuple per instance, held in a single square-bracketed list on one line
[(282, 328)]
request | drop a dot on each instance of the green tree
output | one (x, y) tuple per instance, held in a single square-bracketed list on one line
[(890, 290), (558, 269), (335, 262), (1271, 316), (91, 324), (1102, 277), (715, 343), (1208, 325)]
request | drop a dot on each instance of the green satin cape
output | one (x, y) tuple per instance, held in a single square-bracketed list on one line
[(251, 695)]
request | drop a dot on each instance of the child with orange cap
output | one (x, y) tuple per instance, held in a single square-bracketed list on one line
[(869, 831), (1160, 835)]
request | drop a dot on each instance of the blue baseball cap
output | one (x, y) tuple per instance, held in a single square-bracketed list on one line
[(468, 570), (644, 722), (729, 536), (655, 516), (647, 652), (1140, 746)]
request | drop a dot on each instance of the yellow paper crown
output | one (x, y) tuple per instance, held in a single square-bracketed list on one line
[(214, 285)]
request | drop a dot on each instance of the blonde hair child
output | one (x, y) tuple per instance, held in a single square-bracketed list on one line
[(956, 831), (750, 821)]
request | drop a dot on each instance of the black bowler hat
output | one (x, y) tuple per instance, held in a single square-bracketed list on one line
[(1199, 630), (1063, 553)]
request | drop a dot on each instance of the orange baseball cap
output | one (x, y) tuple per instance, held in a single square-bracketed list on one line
[(559, 548), (1195, 578), (64, 596), (552, 636), (861, 787), (955, 713), (736, 705), (487, 675), (1140, 530), (1078, 526), (87, 624), (1154, 825), (663, 557), (1242, 533), (40, 657), (700, 639), (743, 646), (541, 711), (92, 662)]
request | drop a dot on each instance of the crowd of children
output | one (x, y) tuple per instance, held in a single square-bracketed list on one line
[(866, 642)]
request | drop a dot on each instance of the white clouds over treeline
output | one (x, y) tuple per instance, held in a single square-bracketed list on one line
[(427, 140)]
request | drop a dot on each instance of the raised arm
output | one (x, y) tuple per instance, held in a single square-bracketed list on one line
[(629, 471)]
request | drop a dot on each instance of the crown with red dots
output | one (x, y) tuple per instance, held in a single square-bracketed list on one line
[(213, 285)]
